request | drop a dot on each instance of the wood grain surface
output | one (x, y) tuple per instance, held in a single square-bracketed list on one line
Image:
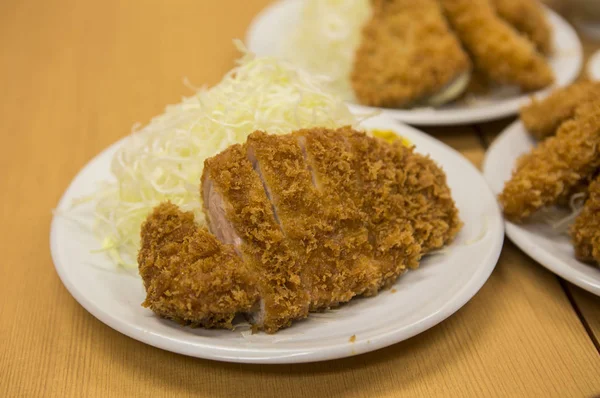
[(74, 77)]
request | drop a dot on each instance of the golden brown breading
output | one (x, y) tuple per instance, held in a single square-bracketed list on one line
[(329, 158), (542, 117), (311, 229), (177, 264), (495, 47), (426, 198), (529, 18), (407, 54), (585, 232), (261, 242), (555, 166)]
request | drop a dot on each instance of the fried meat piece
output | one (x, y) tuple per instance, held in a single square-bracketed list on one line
[(543, 117), (556, 166), (239, 212), (495, 47), (585, 232), (528, 17), (189, 275), (407, 56)]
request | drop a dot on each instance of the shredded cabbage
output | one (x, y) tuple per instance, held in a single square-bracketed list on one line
[(164, 160), (326, 37)]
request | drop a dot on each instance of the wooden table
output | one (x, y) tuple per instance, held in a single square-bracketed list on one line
[(75, 75)]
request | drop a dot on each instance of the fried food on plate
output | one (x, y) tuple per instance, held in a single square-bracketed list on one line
[(556, 166), (529, 18), (542, 117), (495, 47), (298, 222), (408, 56), (585, 232), (177, 264)]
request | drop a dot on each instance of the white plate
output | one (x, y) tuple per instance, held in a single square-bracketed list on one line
[(269, 28), (421, 299), (593, 66), (554, 251)]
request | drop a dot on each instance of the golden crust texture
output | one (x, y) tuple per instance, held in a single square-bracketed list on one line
[(543, 117), (585, 232), (495, 47), (528, 17), (177, 262), (556, 166), (407, 53)]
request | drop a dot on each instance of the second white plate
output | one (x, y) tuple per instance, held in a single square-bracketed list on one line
[(553, 251), (273, 24)]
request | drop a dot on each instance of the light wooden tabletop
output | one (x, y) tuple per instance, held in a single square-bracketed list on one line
[(74, 77)]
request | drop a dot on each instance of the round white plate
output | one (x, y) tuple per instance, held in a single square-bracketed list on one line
[(593, 66), (269, 29), (419, 300), (537, 239)]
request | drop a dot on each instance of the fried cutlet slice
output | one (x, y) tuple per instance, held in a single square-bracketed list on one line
[(543, 117), (189, 275), (528, 17), (239, 213), (327, 256), (495, 47), (408, 56), (585, 232), (329, 158), (557, 165), (426, 199), (392, 234)]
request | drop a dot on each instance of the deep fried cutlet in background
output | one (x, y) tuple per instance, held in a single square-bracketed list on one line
[(585, 232), (556, 166), (407, 54), (178, 264), (529, 18), (542, 117), (495, 47)]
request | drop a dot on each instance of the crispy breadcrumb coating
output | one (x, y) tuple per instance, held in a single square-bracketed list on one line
[(585, 232), (543, 117), (263, 246), (556, 166), (495, 47), (407, 54), (189, 275), (528, 17)]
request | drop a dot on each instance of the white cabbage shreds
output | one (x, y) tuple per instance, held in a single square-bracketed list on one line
[(164, 160), (326, 37)]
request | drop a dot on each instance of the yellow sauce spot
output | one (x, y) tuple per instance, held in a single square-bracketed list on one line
[(352, 338), (394, 291), (390, 136)]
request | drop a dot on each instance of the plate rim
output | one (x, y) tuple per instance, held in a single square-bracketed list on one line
[(521, 238), (130, 329), (451, 117)]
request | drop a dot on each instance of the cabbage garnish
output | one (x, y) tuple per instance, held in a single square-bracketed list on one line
[(164, 160), (326, 37)]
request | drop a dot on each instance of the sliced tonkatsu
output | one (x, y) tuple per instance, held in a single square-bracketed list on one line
[(298, 222)]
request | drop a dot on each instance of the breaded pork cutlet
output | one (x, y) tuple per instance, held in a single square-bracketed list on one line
[(556, 166), (528, 17), (330, 254), (585, 232), (298, 222), (177, 264), (495, 47), (239, 213), (408, 56), (543, 117)]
